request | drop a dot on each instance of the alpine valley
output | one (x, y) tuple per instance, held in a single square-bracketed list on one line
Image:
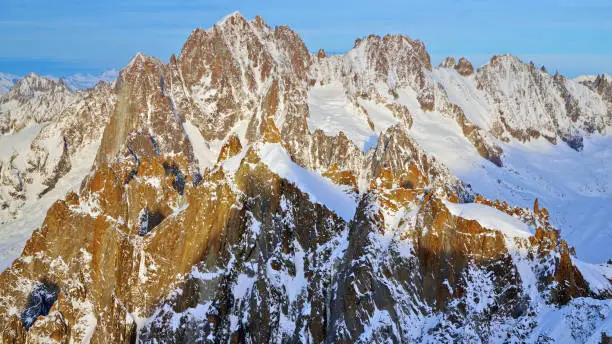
[(248, 191)]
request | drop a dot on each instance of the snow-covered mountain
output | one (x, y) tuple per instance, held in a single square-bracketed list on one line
[(80, 81), (591, 78), (6, 82), (74, 82), (249, 191)]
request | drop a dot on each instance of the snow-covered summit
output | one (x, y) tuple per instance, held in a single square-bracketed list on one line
[(74, 82), (229, 17), (591, 78), (33, 85)]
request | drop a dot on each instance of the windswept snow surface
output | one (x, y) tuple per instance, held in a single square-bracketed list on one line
[(319, 189), (575, 187), (583, 78), (598, 276), (331, 111), (19, 143), (581, 321)]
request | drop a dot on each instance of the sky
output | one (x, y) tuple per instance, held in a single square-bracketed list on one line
[(65, 37)]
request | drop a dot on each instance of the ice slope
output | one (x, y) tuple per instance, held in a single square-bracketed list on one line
[(206, 152), (381, 116), (438, 135)]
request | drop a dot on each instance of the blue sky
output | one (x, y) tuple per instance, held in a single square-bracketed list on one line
[(64, 37)]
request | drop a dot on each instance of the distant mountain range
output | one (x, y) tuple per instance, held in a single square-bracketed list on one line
[(78, 81)]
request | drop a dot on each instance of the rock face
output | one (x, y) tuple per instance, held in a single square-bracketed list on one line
[(219, 209)]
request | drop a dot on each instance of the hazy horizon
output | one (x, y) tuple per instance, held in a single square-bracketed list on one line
[(569, 36)]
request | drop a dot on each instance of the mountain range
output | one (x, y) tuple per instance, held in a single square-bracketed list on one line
[(251, 191), (75, 82)]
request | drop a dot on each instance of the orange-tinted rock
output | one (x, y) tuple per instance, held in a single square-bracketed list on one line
[(230, 148), (271, 133), (341, 177), (570, 283), (447, 241)]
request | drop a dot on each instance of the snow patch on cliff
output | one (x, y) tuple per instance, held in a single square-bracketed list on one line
[(490, 218), (319, 189), (206, 152)]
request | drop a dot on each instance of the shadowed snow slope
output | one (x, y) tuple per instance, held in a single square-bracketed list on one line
[(574, 186)]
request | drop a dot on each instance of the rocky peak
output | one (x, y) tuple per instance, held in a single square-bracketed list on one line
[(144, 121), (139, 63), (395, 60), (394, 50), (233, 18), (33, 85), (33, 99), (448, 62), (464, 67), (223, 72), (531, 103)]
